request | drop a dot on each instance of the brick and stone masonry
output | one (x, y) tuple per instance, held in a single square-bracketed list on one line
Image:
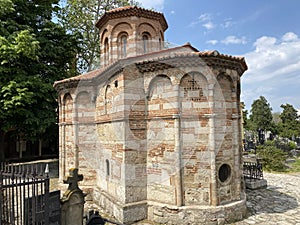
[(155, 132)]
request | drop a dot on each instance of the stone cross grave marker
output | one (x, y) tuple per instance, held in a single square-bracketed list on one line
[(72, 202), (73, 179)]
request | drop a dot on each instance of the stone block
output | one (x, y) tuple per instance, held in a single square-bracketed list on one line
[(254, 184)]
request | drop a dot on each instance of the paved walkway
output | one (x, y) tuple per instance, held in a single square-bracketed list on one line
[(278, 204)]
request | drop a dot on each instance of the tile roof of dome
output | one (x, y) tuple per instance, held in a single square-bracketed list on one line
[(127, 11)]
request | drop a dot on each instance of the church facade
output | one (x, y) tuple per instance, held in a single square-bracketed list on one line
[(155, 131)]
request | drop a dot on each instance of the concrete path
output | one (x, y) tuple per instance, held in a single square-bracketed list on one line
[(278, 204)]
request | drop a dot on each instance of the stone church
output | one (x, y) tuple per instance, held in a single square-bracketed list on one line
[(155, 131)]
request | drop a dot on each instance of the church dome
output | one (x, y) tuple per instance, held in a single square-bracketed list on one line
[(130, 31)]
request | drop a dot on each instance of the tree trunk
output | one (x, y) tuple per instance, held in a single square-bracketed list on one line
[(40, 147)]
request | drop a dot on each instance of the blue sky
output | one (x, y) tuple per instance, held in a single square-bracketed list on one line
[(265, 32)]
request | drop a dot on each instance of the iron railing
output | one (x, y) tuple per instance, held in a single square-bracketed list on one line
[(252, 168), (24, 195)]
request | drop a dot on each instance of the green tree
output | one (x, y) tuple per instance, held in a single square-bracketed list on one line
[(290, 125), (79, 17), (261, 114), (34, 52)]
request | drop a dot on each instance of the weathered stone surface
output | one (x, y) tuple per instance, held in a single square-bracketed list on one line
[(256, 183)]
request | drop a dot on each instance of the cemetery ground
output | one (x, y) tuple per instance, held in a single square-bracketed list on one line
[(279, 203)]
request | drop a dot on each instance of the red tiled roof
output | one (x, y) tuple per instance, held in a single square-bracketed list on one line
[(85, 76), (132, 11), (120, 9), (165, 54)]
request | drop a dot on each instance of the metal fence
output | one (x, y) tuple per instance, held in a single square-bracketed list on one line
[(252, 169), (24, 195)]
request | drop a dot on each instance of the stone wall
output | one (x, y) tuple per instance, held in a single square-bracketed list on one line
[(155, 137)]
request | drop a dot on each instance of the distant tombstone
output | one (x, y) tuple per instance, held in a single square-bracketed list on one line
[(72, 202)]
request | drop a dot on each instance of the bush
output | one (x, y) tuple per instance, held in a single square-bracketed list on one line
[(273, 159), (292, 145)]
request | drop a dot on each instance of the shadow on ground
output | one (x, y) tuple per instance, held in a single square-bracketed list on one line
[(269, 200)]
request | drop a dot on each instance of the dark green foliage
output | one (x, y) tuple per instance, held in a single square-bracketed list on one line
[(273, 158), (261, 115), (34, 52), (292, 145), (290, 125)]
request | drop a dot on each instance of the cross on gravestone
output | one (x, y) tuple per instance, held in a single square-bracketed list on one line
[(73, 179), (72, 201)]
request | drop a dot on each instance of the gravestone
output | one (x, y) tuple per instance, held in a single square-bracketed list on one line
[(72, 202)]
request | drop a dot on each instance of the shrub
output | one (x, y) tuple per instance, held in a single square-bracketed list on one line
[(273, 159), (292, 145)]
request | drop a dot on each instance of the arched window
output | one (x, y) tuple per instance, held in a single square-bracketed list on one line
[(122, 45), (107, 167), (159, 44), (145, 38), (106, 51)]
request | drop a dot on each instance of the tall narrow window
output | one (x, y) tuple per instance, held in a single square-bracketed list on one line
[(145, 39), (159, 44), (107, 167), (122, 45), (106, 49)]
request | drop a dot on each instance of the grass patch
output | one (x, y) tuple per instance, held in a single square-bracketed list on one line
[(294, 167)]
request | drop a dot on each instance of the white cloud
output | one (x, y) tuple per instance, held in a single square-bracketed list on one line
[(274, 71), (172, 12), (155, 4), (209, 25), (206, 20), (212, 42), (228, 23), (234, 40), (290, 36), (205, 17)]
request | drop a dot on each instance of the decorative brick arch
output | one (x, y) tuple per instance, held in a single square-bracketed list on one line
[(226, 85), (194, 93), (121, 27), (83, 106), (105, 34), (122, 42), (147, 37), (147, 27), (68, 108), (154, 81)]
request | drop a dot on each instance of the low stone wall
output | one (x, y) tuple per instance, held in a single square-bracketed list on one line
[(165, 214), (172, 215)]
